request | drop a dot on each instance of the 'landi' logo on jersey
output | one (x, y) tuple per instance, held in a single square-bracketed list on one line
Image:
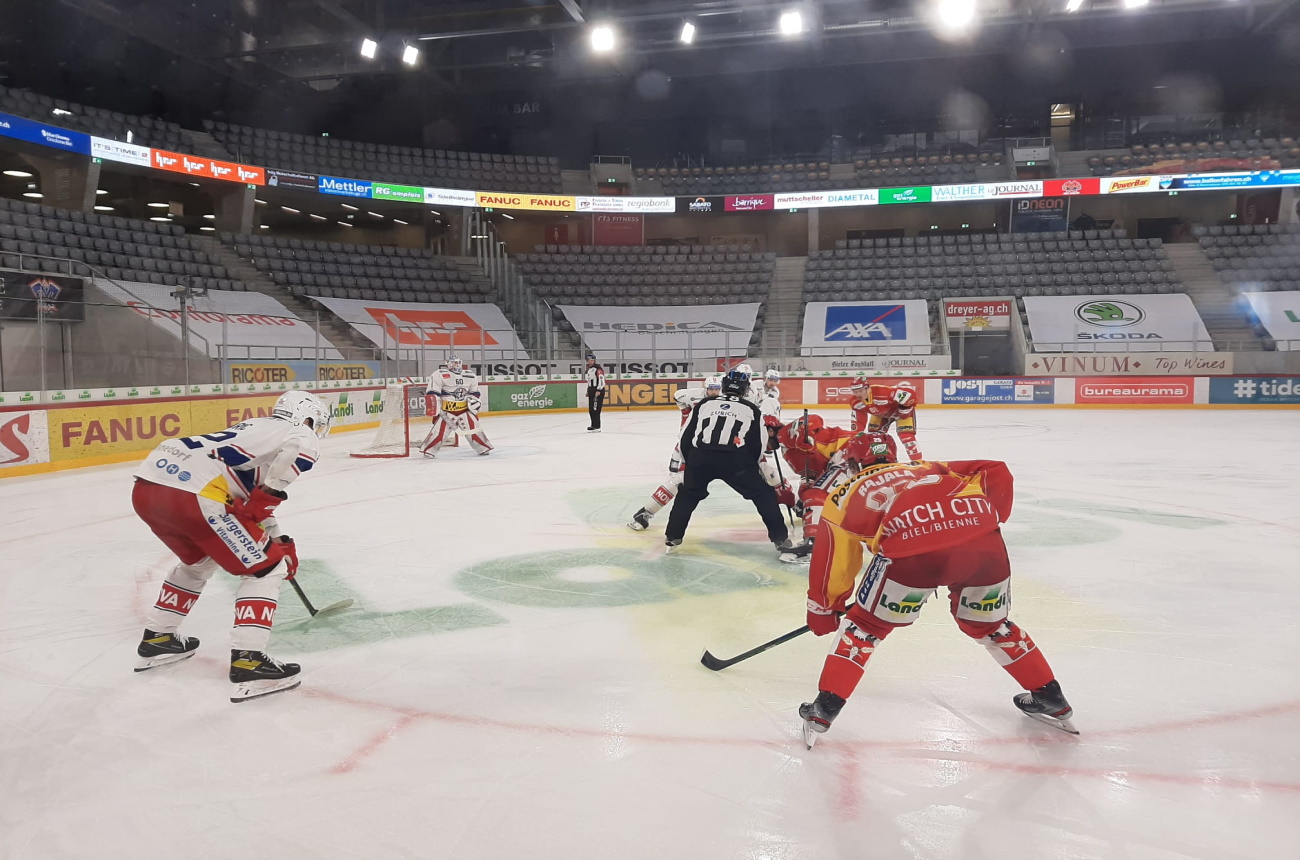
[(431, 328)]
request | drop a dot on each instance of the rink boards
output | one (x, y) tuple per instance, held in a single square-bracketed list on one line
[(63, 430)]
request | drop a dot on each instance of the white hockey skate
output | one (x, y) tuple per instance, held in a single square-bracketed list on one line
[(640, 521)]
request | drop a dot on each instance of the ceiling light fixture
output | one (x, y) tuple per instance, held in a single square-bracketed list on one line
[(206, 227), (317, 217), (100, 192), (376, 214), (19, 174), (369, 47), (160, 218), (157, 205), (294, 211), (955, 15), (410, 55), (210, 217), (35, 195), (348, 206), (507, 216), (259, 201), (400, 221), (103, 208), (602, 39), (434, 212), (1073, 5), (687, 36), (791, 23), (343, 224), (1135, 4)]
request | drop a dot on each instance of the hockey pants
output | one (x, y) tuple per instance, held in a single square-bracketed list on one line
[(739, 472)]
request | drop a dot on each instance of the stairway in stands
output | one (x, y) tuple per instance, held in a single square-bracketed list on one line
[(1217, 303), (784, 311), (334, 330)]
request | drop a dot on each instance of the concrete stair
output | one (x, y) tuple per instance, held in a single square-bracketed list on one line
[(784, 309), (202, 143), (1217, 303), (331, 328)]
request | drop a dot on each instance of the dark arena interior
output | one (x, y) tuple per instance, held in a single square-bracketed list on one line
[(470, 275)]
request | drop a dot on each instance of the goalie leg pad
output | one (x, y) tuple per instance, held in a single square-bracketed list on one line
[(255, 605), (436, 437)]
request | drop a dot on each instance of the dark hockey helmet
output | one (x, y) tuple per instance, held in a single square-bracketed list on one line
[(868, 449), (735, 383)]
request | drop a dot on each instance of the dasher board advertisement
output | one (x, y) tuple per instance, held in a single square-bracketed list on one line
[(1139, 323), (663, 332), (250, 325), (475, 330)]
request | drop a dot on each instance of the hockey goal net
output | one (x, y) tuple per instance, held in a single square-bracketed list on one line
[(402, 406)]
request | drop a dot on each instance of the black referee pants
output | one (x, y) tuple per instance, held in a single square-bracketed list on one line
[(595, 400), (740, 472)]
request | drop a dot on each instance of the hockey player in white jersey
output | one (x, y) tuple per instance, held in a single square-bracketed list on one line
[(211, 499), (686, 399), (453, 399), (767, 398)]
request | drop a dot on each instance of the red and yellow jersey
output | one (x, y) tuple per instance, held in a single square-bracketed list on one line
[(901, 510), (878, 407), (810, 452)]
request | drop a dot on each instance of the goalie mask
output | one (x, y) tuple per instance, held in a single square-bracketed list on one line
[(297, 406), (455, 365)]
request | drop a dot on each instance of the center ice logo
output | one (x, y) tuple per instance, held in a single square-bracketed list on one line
[(1113, 314)]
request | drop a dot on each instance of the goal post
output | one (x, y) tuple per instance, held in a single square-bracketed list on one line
[(402, 404)]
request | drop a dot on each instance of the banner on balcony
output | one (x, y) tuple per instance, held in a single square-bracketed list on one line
[(1144, 323), (471, 331), (664, 332), (866, 328), (27, 296), (238, 326), (1280, 314)]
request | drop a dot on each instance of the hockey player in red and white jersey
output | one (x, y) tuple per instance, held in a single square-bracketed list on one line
[(211, 499), (686, 399), (877, 407), (453, 399)]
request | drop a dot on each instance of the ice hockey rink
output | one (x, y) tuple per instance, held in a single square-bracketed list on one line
[(520, 676)]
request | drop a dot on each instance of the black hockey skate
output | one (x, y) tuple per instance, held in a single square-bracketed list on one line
[(818, 715), (791, 553), (1047, 705), (640, 521), (159, 649), (256, 675), (671, 544)]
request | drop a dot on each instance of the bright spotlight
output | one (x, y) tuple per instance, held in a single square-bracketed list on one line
[(369, 47), (955, 15), (410, 55), (688, 33), (791, 23), (1073, 5), (1135, 4), (602, 38)]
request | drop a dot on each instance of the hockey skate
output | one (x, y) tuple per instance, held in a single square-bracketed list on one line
[(256, 675), (789, 553), (818, 715), (640, 521), (1047, 705), (671, 545), (159, 649)]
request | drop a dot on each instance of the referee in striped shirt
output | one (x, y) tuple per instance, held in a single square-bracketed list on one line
[(595, 392), (723, 441)]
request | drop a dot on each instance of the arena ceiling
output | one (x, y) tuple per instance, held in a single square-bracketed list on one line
[(216, 58)]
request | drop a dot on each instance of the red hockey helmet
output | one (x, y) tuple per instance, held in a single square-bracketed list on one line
[(796, 435), (868, 449)]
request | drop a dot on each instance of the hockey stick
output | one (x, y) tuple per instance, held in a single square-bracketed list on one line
[(780, 473), (711, 662), (342, 604)]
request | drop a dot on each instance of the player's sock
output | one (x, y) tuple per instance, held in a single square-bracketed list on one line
[(255, 675), (1047, 704), (640, 520), (1014, 651), (176, 598), (844, 665), (256, 600), (159, 649)]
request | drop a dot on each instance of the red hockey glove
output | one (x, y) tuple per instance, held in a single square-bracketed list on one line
[(260, 504), (822, 620), (289, 552)]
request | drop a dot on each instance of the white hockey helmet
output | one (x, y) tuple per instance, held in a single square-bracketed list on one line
[(771, 378), (713, 384), (297, 406), (745, 369), (455, 365)]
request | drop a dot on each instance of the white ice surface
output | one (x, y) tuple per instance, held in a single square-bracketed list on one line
[(520, 676)]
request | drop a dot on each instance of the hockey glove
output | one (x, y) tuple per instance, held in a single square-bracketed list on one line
[(289, 552), (822, 620), (260, 504), (474, 404)]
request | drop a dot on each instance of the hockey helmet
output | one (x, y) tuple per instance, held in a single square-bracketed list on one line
[(797, 435), (868, 449), (771, 378), (735, 383), (713, 385), (745, 369), (859, 387), (297, 406), (455, 365)]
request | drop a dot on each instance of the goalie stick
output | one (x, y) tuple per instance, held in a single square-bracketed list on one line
[(711, 662), (342, 604)]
